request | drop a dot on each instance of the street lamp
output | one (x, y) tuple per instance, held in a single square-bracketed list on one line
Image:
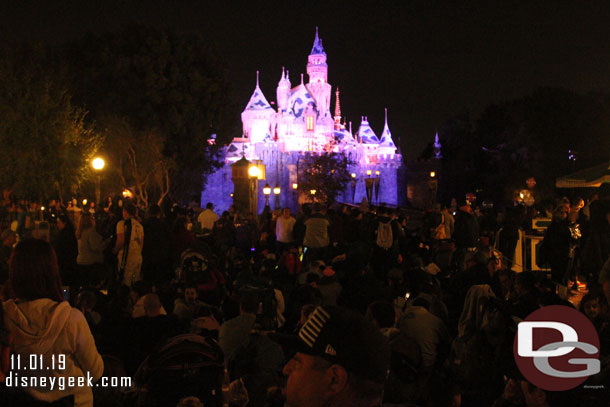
[(276, 192), (267, 192), (98, 165), (253, 171), (295, 186), (313, 194)]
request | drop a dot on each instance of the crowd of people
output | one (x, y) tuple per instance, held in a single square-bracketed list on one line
[(333, 306)]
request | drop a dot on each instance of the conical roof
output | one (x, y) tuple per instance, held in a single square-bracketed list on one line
[(386, 136), (366, 134), (317, 48), (258, 101)]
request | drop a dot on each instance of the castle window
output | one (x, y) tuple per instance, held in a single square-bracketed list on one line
[(309, 123)]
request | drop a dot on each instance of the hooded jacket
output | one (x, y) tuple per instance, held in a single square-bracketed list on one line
[(48, 328)]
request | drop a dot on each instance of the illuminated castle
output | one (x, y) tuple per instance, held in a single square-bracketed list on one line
[(302, 124)]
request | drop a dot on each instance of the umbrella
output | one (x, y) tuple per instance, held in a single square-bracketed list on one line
[(589, 177)]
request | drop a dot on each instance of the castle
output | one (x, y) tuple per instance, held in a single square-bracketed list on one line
[(302, 124)]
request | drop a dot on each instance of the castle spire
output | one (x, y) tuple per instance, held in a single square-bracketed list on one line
[(337, 111), (301, 79), (257, 79), (437, 147), (317, 45)]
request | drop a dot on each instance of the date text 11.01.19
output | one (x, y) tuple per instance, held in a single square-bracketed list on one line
[(37, 362)]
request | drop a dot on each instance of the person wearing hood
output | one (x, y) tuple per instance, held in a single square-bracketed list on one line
[(41, 323)]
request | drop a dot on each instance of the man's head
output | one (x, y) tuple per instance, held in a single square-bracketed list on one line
[(343, 360), (286, 212), (129, 210), (152, 305), (209, 206), (190, 294)]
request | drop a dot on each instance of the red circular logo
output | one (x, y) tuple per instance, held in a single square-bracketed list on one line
[(557, 348)]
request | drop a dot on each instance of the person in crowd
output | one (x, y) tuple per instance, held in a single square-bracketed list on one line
[(316, 234), (181, 239), (449, 222), (596, 249), (91, 246), (41, 323), (8, 240), (128, 247), (156, 263), (207, 218), (465, 234), (284, 226), (66, 248), (329, 287), (149, 332), (235, 331), (187, 307), (557, 244), (429, 331), (342, 361)]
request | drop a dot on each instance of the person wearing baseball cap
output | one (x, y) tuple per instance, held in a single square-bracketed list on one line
[(342, 360)]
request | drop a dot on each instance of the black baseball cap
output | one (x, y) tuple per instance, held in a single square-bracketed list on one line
[(346, 338)]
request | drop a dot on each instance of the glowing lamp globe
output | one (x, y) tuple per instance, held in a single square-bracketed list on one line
[(276, 190), (266, 189), (97, 163), (295, 186), (253, 171)]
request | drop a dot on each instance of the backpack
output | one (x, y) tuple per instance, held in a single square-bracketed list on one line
[(187, 365), (384, 235)]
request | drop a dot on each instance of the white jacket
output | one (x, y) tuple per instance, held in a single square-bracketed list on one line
[(46, 327)]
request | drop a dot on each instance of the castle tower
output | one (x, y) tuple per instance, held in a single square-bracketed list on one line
[(317, 69), (258, 117), (283, 91)]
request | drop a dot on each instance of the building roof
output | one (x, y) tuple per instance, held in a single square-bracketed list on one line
[(344, 136), (258, 101), (366, 134), (386, 136), (299, 99)]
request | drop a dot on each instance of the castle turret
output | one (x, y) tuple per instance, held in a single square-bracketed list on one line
[(258, 117), (283, 92), (386, 144)]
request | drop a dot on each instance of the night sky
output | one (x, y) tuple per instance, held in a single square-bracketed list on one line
[(424, 60)]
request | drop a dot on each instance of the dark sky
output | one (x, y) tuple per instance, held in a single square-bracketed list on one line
[(424, 60)]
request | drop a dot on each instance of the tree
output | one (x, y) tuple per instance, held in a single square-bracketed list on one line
[(173, 86), (137, 160), (326, 173), (46, 146)]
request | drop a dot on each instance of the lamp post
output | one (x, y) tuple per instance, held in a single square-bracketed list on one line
[(276, 192), (98, 165), (433, 185), (376, 181), (353, 182), (312, 192), (266, 192), (368, 182)]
